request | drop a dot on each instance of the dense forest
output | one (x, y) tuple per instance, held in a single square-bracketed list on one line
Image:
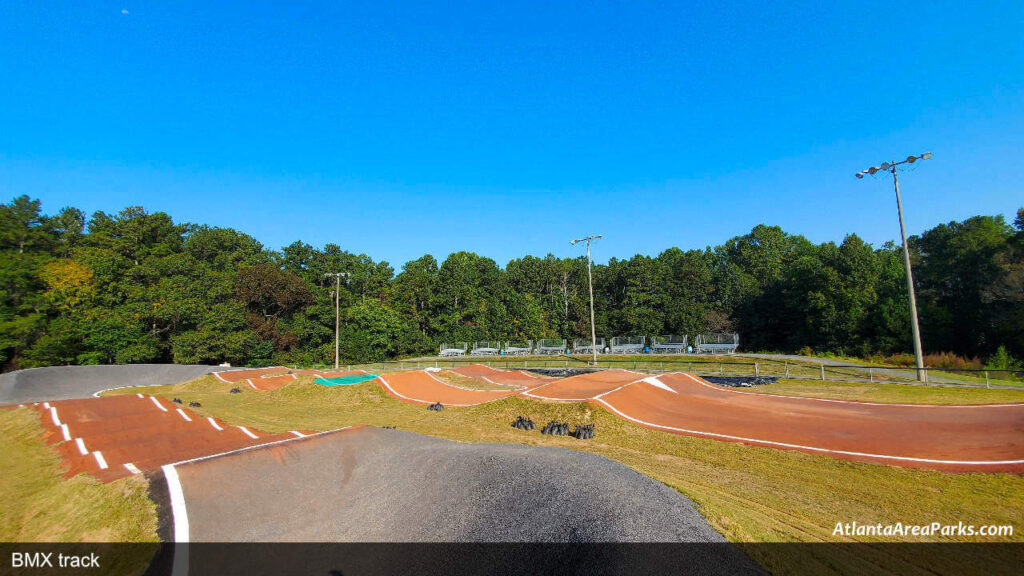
[(138, 287)]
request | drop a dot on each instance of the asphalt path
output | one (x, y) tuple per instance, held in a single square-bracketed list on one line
[(74, 382), (388, 486)]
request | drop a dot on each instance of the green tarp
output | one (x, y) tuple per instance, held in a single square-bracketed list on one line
[(345, 380)]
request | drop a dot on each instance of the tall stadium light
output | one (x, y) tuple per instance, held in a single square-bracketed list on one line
[(922, 374), (590, 283), (337, 308)]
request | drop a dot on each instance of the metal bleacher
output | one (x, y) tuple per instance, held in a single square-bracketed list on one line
[(485, 349), (519, 348), (550, 346), (583, 346), (453, 349), (628, 344), (721, 343), (669, 345)]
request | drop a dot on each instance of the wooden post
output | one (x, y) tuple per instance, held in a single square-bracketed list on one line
[(757, 371), (822, 370)]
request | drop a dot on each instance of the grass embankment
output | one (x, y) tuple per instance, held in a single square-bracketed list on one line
[(749, 494), (38, 505), (889, 392)]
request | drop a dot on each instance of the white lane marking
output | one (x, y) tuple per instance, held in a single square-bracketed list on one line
[(158, 404), (131, 468), (183, 415), (53, 414), (247, 433), (221, 378), (140, 395), (178, 509), (812, 448), (100, 460), (811, 399), (214, 424), (97, 394), (516, 386), (525, 373), (251, 385), (46, 405), (21, 405), (614, 390), (467, 389), (67, 433), (298, 434), (432, 369), (81, 446), (653, 381), (393, 391), (255, 447)]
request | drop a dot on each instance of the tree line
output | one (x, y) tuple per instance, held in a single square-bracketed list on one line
[(136, 287)]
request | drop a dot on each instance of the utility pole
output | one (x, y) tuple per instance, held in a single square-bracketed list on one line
[(337, 309), (590, 283), (922, 374)]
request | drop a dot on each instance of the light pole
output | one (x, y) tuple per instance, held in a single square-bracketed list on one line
[(337, 308), (590, 283), (922, 374)]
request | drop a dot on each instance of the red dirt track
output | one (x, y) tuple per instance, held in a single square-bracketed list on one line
[(584, 386), (951, 438), (422, 388), (135, 431)]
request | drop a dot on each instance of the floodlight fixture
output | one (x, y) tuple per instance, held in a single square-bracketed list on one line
[(590, 284), (922, 374)]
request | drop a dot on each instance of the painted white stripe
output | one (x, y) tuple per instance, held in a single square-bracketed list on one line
[(67, 433), (462, 388), (251, 385), (100, 460), (221, 378), (183, 415), (158, 405), (46, 405), (81, 446), (653, 381), (856, 402), (392, 390), (140, 395), (178, 509), (100, 392), (53, 415), (811, 448), (131, 468), (247, 433), (525, 373), (298, 434), (256, 447), (21, 405), (515, 386), (214, 424)]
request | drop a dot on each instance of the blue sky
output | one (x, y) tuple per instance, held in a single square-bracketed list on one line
[(398, 129)]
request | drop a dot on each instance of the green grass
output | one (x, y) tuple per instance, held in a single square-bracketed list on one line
[(38, 505), (890, 392), (750, 494)]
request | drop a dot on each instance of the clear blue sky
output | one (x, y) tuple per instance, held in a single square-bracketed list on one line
[(398, 129)]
